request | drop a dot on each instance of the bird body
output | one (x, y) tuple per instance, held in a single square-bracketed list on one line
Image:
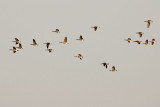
[(153, 41), (148, 23), (65, 41), (34, 43), (80, 38), (47, 44), (95, 28), (146, 42), (128, 40), (105, 64), (14, 50), (20, 46), (16, 41), (79, 56), (57, 31), (113, 69), (139, 42), (140, 34)]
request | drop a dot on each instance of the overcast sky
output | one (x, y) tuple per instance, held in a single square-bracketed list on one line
[(33, 77)]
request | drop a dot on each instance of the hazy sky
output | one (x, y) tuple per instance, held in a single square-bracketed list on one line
[(35, 78)]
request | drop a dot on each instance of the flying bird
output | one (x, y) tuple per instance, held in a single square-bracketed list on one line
[(148, 23), (105, 64), (57, 31), (139, 42), (153, 41), (113, 69), (79, 56), (140, 34), (95, 28), (20, 46), (47, 44), (16, 41), (128, 40), (14, 50), (65, 41), (146, 42), (34, 43), (80, 38), (50, 50)]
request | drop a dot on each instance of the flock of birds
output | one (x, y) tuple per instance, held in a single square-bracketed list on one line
[(146, 42), (18, 42)]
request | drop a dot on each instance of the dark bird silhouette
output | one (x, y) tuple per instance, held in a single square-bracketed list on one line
[(146, 42), (148, 23), (16, 41), (47, 44), (113, 69), (153, 41), (20, 46), (105, 64), (50, 50), (57, 31), (95, 28), (79, 56), (14, 50), (140, 34), (65, 41), (34, 43), (139, 42), (128, 40), (80, 38)]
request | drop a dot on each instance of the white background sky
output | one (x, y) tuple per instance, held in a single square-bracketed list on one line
[(35, 78)]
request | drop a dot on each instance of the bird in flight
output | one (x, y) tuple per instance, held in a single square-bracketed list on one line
[(140, 34), (95, 28), (79, 56), (14, 50), (105, 64), (20, 46), (50, 50), (47, 44), (139, 42), (113, 69), (146, 42), (148, 23), (153, 41), (57, 31), (65, 41), (80, 38), (16, 41), (128, 40), (34, 43)]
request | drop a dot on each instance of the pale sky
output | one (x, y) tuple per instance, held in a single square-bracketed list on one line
[(32, 77)]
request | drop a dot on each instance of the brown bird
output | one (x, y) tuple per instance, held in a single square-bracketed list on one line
[(148, 23), (139, 42), (65, 41), (153, 41), (16, 41), (113, 69), (105, 64), (57, 31), (14, 50), (79, 56), (20, 46), (34, 43), (146, 42), (95, 28), (47, 44), (50, 50), (128, 40), (140, 34), (80, 38)]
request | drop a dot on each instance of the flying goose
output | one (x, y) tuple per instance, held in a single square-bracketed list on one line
[(139, 42), (146, 42), (153, 41), (80, 38), (65, 41), (113, 69), (20, 46), (105, 64), (47, 44), (128, 40), (50, 50), (34, 43), (57, 31), (79, 56), (148, 23), (95, 28), (16, 41), (140, 34), (14, 50)]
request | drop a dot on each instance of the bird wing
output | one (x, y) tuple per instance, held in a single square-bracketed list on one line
[(16, 39), (34, 41), (20, 45)]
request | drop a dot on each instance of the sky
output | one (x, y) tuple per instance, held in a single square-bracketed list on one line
[(33, 77)]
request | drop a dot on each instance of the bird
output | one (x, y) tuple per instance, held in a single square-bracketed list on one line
[(50, 50), (128, 40), (139, 42), (47, 44), (79, 56), (95, 28), (20, 46), (80, 38), (148, 23), (57, 31), (113, 69), (140, 34), (153, 41), (34, 43), (146, 42), (65, 41), (105, 64), (14, 50), (16, 41)]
